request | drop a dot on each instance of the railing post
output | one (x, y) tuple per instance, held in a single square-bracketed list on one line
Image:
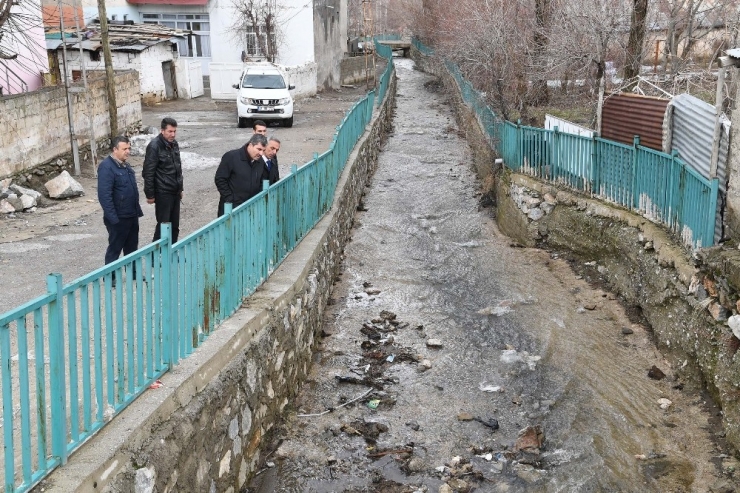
[(595, 185), (57, 365), (228, 279), (268, 221), (635, 199), (555, 154), (519, 145), (169, 331), (713, 192), (674, 189)]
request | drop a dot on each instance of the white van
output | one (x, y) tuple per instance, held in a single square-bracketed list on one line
[(263, 95)]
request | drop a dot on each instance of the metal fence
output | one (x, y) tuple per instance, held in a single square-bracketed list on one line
[(76, 356), (387, 53), (659, 186)]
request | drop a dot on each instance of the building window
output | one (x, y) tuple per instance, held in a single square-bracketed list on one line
[(195, 45), (253, 47)]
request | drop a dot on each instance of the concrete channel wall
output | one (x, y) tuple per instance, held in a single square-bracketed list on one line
[(204, 429), (685, 298)]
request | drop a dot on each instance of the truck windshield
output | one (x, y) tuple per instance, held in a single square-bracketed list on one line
[(264, 81)]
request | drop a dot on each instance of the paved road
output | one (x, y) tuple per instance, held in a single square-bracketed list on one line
[(70, 238)]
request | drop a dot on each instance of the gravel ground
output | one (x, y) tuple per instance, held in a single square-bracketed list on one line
[(69, 237)]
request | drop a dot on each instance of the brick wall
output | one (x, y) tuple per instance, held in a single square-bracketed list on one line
[(35, 125)]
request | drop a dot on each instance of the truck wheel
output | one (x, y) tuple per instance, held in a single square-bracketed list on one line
[(288, 122), (242, 122)]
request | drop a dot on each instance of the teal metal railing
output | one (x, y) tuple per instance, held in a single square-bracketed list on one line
[(78, 355), (387, 53), (657, 185)]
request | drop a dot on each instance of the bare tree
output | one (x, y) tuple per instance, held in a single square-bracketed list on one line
[(585, 35), (256, 24), (636, 41), (540, 94), (686, 23)]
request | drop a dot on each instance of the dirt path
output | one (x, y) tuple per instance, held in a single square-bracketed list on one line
[(69, 237)]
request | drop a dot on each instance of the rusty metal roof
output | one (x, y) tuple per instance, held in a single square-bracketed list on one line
[(123, 37), (626, 115)]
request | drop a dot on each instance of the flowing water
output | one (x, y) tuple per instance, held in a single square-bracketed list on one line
[(524, 340)]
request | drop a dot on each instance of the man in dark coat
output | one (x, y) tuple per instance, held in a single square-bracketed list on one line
[(162, 174), (241, 172), (119, 198), (271, 160)]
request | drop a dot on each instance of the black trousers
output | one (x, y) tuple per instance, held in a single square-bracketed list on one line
[(167, 210), (122, 236)]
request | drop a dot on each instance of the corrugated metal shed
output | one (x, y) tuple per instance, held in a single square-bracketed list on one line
[(627, 115), (692, 135)]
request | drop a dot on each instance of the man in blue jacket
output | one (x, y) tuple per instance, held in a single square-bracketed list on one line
[(119, 197)]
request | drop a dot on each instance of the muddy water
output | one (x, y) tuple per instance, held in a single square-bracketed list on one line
[(523, 340)]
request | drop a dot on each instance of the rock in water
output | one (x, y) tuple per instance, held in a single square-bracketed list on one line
[(656, 373)]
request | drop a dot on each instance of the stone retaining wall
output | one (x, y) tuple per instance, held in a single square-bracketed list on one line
[(36, 127), (685, 298), (203, 430)]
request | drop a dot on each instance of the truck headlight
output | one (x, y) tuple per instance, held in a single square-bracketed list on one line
[(284, 101)]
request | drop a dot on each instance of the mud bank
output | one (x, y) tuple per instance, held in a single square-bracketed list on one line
[(686, 299)]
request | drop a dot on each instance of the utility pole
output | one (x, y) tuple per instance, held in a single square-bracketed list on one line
[(110, 83), (93, 143), (368, 33), (70, 115)]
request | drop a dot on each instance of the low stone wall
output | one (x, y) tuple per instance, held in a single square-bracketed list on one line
[(203, 430), (352, 70), (36, 128), (685, 298)]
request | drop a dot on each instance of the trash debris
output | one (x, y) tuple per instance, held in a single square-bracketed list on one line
[(656, 373), (373, 403), (491, 422), (465, 417), (664, 403), (434, 343), (156, 384), (390, 358), (489, 388)]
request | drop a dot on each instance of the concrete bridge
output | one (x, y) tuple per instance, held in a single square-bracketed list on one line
[(398, 45)]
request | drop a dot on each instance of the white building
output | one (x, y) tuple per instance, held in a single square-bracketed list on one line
[(311, 37), (150, 50)]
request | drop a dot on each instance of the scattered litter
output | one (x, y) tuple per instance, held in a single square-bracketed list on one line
[(390, 358), (491, 422), (489, 388), (512, 356), (270, 464), (502, 308), (434, 343), (665, 403), (157, 384), (440, 469), (373, 403)]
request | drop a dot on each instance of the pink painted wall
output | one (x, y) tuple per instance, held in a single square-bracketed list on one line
[(32, 60)]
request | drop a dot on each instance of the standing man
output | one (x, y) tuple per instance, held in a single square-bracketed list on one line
[(240, 174), (163, 178), (271, 161), (259, 127), (119, 197)]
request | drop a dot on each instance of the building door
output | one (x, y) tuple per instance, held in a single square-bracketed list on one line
[(168, 73)]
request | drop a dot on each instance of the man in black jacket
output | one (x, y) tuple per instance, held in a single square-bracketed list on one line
[(271, 159), (163, 178), (241, 172)]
